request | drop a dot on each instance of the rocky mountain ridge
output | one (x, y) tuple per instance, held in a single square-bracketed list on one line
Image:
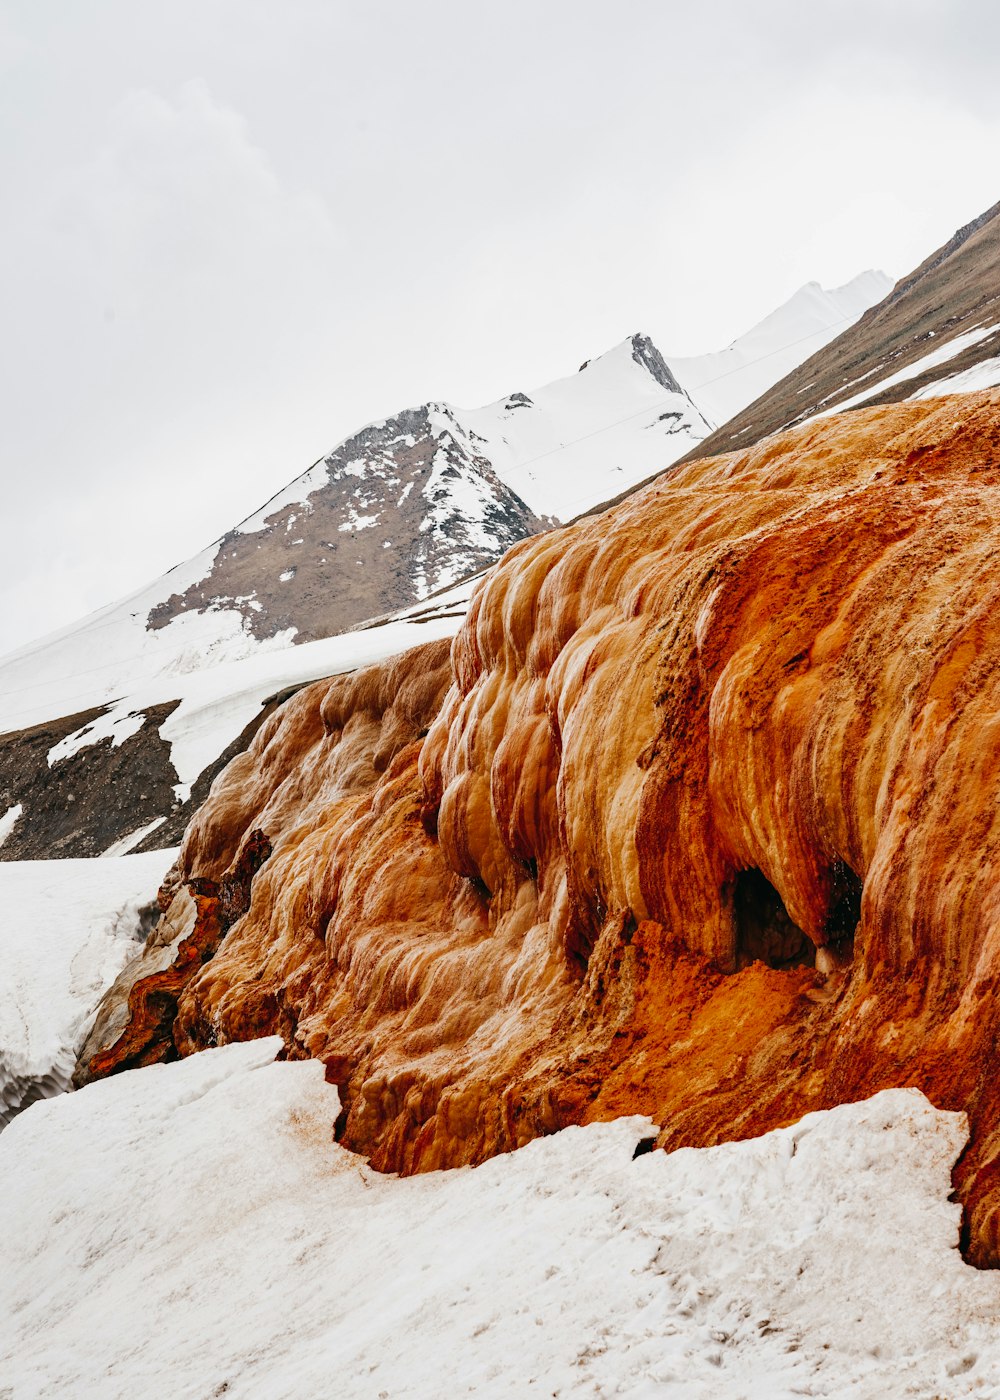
[(937, 331), (115, 727)]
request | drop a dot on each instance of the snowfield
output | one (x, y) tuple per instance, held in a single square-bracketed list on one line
[(979, 377), (190, 1230), (726, 381), (67, 928), (218, 701)]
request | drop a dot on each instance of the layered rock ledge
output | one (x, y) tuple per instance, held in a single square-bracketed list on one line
[(699, 819)]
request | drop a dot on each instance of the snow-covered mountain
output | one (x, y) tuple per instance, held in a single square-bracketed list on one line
[(116, 724), (400, 510), (573, 445), (936, 332), (726, 381)]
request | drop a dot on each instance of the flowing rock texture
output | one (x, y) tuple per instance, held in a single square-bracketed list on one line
[(699, 819)]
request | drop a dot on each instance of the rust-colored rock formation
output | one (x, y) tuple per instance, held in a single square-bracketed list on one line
[(707, 824), (134, 1024)]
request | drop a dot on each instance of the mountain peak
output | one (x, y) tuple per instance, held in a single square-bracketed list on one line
[(934, 331), (726, 381), (645, 353)]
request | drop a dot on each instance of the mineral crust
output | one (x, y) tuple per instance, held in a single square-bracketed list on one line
[(699, 819)]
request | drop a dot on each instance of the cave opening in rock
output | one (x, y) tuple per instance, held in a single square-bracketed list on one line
[(763, 930)]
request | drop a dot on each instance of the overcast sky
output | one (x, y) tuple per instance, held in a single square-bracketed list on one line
[(235, 230)]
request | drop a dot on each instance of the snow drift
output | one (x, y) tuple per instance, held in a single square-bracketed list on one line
[(67, 929), (203, 1207)]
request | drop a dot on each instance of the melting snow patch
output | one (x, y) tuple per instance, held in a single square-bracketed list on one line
[(985, 375), (9, 820), (818, 1260), (128, 843), (116, 724), (68, 928), (940, 356)]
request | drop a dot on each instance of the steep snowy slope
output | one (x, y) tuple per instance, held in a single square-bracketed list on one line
[(723, 383), (575, 444), (402, 509), (937, 332), (68, 928)]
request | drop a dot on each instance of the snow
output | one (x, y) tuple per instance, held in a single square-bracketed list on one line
[(109, 654), (114, 725), (448, 492), (67, 929), (357, 522), (218, 702), (985, 375), (297, 492), (582, 440), (723, 383), (9, 820), (939, 356), (191, 1230), (128, 843)]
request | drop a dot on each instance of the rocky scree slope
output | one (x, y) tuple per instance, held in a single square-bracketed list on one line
[(937, 331), (696, 818)]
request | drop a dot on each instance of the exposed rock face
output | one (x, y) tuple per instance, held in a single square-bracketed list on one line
[(645, 353), (81, 804), (102, 794), (705, 826), (398, 510)]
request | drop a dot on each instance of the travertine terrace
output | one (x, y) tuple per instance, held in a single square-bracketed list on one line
[(698, 819)]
